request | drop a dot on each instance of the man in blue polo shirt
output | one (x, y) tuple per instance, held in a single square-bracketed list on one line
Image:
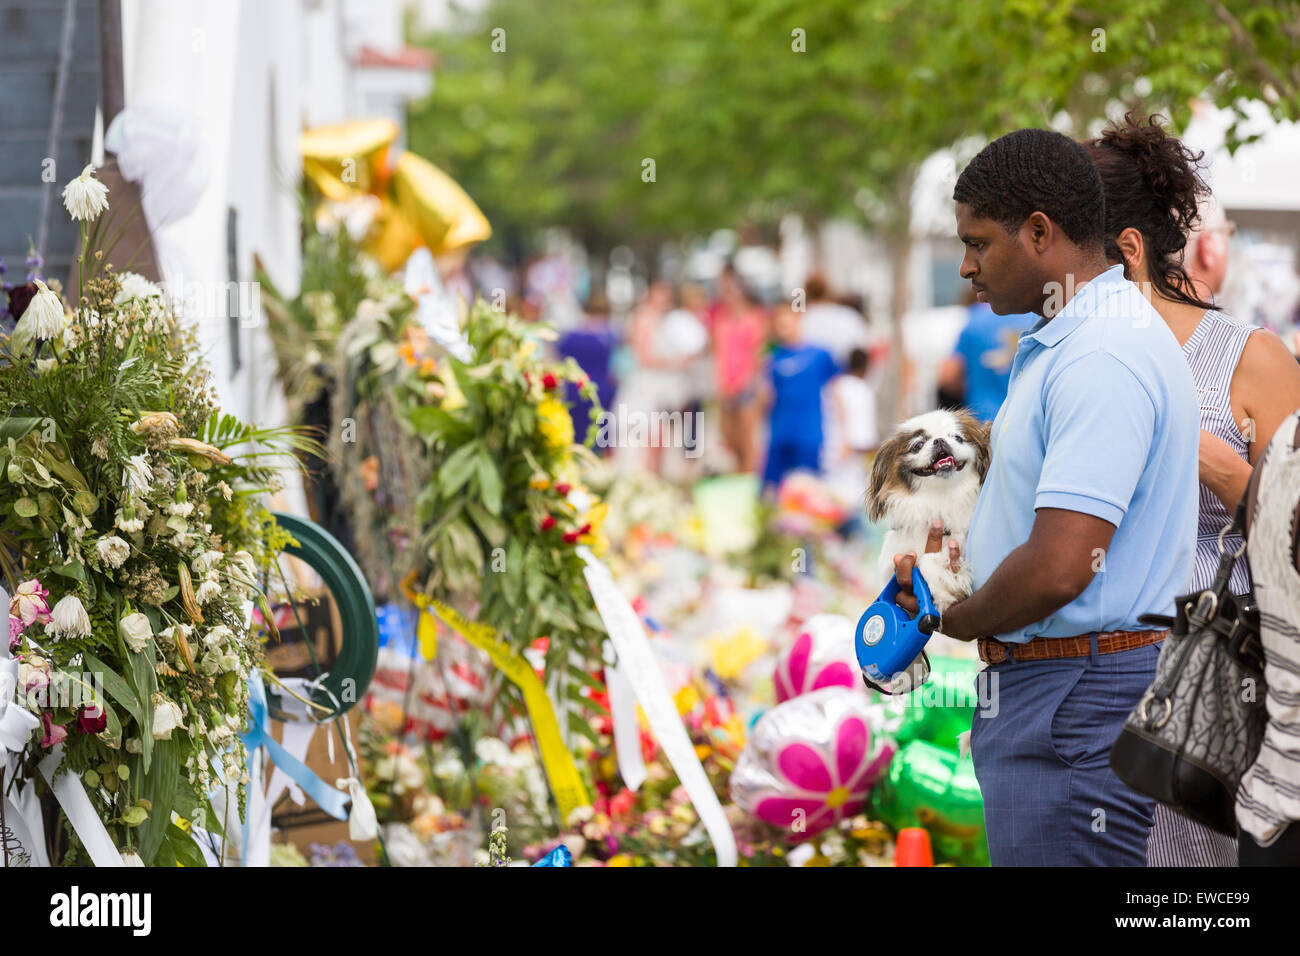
[(1087, 516)]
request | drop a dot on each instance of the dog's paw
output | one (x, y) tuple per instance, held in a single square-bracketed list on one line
[(947, 587)]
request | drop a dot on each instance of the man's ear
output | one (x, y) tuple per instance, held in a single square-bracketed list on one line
[(1132, 249), (1209, 249), (1041, 231)]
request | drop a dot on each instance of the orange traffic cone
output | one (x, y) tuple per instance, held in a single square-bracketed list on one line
[(912, 848)]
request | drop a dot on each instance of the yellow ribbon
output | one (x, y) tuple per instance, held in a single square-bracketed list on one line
[(566, 783)]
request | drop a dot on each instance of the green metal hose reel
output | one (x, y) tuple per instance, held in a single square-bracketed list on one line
[(339, 688)]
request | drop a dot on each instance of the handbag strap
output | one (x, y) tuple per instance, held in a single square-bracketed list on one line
[(1209, 603)]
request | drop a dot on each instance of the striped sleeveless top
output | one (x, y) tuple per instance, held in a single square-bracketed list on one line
[(1213, 352), (1268, 799)]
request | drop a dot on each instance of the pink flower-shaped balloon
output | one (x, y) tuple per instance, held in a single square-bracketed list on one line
[(811, 761), (821, 656)]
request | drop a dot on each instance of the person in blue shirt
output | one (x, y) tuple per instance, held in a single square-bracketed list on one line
[(797, 374), (978, 371), (1087, 516), (592, 346)]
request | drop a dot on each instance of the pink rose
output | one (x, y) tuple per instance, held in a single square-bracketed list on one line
[(53, 734)]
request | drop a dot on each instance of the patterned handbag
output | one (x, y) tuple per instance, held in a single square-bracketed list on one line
[(1198, 728)]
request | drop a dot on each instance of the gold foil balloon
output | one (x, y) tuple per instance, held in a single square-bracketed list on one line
[(419, 204)]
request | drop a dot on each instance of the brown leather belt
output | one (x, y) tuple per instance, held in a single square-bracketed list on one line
[(1056, 648)]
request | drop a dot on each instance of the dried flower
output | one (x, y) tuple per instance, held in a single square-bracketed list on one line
[(196, 447), (69, 619), (113, 551), (43, 317), (85, 197), (51, 734), (158, 428), (29, 603), (187, 594), (139, 476), (127, 520)]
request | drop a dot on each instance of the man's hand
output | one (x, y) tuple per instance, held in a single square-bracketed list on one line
[(904, 563)]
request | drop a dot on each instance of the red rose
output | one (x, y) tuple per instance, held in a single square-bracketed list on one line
[(548, 523), (570, 537), (563, 488), (92, 721), (549, 381), (585, 529)]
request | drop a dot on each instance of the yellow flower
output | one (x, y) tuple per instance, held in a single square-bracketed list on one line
[(595, 538), (539, 482), (454, 398), (686, 699), (620, 859), (731, 655), (555, 424)]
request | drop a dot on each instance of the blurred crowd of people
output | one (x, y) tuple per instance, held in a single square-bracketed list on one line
[(787, 386)]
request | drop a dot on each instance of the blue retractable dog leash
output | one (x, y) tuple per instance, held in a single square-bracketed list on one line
[(888, 639)]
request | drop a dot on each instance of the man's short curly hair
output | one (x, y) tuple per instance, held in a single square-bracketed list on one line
[(1035, 170)]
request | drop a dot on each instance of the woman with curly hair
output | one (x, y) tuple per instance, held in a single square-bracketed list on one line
[(1247, 380)]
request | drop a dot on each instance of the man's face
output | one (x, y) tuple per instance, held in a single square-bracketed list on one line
[(1000, 265)]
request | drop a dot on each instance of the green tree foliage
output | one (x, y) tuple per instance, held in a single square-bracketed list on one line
[(750, 108)]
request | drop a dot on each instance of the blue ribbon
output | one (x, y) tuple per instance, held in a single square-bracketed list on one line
[(560, 856), (330, 799)]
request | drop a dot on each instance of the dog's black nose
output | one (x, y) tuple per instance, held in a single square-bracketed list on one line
[(942, 450)]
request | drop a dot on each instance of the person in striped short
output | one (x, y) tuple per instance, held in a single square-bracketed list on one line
[(1247, 380), (1268, 800)]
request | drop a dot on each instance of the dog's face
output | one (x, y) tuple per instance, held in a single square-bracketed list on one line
[(924, 452)]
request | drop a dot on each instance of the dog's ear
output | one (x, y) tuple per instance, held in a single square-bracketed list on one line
[(883, 473), (978, 433)]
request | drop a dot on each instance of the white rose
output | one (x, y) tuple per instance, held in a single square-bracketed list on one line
[(217, 636), (135, 631), (167, 717)]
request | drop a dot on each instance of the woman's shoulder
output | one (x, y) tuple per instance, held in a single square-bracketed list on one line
[(1216, 320)]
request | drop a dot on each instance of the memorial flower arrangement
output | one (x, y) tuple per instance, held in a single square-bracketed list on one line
[(506, 505), (133, 536)]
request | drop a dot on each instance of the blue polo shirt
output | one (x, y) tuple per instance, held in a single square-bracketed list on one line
[(1101, 418)]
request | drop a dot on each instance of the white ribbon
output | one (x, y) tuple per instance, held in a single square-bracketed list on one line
[(16, 721), (637, 663), (627, 731), (362, 823), (22, 807), (76, 806), (24, 817)]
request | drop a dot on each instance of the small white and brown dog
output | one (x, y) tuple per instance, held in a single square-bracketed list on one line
[(931, 468)]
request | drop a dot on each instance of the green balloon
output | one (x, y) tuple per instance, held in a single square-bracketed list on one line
[(943, 707), (930, 786)]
